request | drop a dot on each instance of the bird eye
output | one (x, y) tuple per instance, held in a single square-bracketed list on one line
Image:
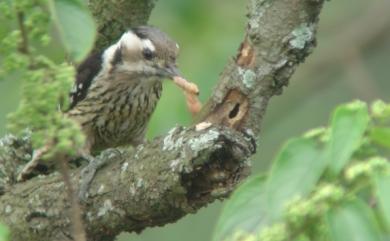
[(148, 54)]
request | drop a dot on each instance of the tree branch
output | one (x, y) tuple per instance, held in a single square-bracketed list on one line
[(159, 182), (155, 184), (114, 17)]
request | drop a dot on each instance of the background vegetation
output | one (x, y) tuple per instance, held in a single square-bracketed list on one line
[(350, 62)]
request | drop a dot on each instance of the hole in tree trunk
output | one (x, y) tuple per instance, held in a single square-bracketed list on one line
[(233, 113)]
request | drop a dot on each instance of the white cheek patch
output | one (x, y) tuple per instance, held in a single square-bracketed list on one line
[(131, 41), (128, 40), (108, 56), (148, 44)]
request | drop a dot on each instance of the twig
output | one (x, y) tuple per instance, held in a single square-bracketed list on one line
[(24, 45), (76, 213)]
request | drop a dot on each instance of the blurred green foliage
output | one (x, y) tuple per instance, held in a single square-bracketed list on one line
[(74, 25), (316, 190), (351, 61), (4, 233), (45, 84)]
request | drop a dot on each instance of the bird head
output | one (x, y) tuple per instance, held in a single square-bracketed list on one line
[(145, 51)]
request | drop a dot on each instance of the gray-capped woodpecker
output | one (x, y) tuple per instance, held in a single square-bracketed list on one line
[(116, 91)]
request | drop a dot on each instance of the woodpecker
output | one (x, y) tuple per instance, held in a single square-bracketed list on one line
[(116, 91)]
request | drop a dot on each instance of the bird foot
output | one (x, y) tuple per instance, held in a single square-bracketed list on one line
[(88, 174)]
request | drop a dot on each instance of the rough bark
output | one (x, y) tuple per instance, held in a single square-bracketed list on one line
[(115, 16), (161, 181)]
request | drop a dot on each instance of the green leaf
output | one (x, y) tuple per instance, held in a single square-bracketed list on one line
[(245, 211), (295, 172), (353, 221), (380, 110), (4, 233), (349, 122), (75, 25), (382, 183), (381, 135)]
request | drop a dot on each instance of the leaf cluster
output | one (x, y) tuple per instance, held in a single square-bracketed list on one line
[(332, 183), (34, 28)]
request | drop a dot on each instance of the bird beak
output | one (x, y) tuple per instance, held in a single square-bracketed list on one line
[(172, 71)]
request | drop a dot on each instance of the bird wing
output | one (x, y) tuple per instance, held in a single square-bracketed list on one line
[(86, 72)]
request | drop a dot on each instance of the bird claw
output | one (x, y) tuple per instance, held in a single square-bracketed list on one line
[(87, 175)]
